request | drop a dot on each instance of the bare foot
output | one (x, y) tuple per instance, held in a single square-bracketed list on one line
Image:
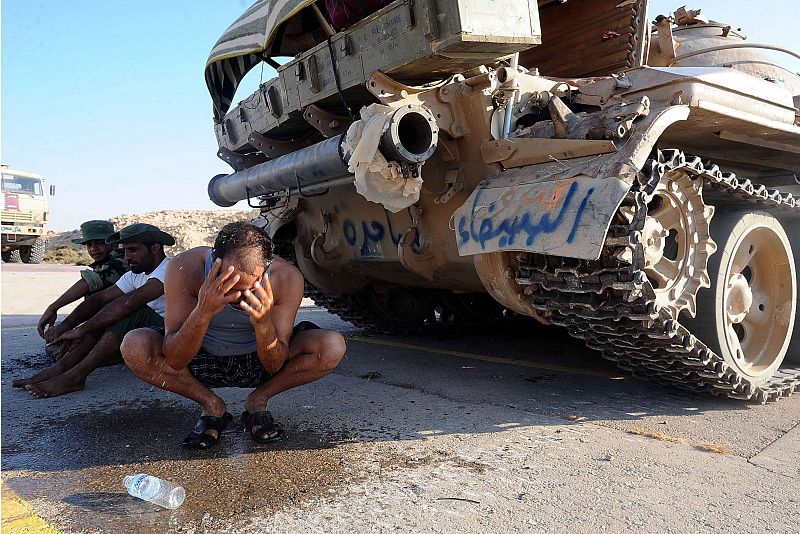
[(54, 387), (45, 374)]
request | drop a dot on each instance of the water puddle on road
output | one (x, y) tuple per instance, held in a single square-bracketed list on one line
[(71, 470)]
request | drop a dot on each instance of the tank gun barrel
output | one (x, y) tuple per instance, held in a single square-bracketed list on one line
[(311, 165), (410, 136)]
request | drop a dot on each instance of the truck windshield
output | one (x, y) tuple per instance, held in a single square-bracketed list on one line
[(21, 184)]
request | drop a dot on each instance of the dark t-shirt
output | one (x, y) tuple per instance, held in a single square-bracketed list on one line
[(103, 274)]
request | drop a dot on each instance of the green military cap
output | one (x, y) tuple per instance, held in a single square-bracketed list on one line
[(140, 233), (94, 231)]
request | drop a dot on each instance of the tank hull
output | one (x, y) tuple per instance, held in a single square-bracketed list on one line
[(595, 203)]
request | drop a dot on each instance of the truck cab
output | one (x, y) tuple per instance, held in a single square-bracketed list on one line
[(24, 216)]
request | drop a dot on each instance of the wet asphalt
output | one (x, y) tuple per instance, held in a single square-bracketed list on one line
[(514, 428)]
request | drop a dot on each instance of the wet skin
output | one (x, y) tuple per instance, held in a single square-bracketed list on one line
[(244, 283), (308, 356)]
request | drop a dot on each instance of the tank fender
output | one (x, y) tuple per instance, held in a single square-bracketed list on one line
[(563, 208)]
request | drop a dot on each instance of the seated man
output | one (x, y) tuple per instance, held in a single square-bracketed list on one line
[(229, 323), (103, 272), (135, 301)]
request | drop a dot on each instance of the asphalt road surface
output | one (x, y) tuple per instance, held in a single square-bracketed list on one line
[(517, 429)]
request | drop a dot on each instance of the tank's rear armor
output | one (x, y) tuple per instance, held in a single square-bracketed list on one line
[(608, 136)]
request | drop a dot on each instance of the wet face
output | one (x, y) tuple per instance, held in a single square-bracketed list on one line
[(98, 250), (247, 280), (140, 258)]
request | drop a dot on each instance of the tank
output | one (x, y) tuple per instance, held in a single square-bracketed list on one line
[(465, 161)]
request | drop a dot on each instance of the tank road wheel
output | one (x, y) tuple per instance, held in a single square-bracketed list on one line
[(12, 256), (33, 253), (792, 227), (748, 314), (677, 243)]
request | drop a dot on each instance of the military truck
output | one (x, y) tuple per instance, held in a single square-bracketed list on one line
[(627, 177), (24, 216)]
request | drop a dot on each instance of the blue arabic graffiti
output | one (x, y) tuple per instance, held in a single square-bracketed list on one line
[(579, 214), (509, 228), (367, 235)]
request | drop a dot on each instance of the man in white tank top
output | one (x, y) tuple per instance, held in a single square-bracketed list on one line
[(230, 314)]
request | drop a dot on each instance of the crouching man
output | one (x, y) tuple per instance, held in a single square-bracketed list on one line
[(229, 322)]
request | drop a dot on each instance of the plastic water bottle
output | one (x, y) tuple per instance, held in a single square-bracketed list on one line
[(155, 490)]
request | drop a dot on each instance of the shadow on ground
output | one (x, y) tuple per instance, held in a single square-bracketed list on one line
[(387, 394), (380, 393)]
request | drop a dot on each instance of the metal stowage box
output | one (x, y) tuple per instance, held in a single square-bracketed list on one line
[(414, 41), (417, 40)]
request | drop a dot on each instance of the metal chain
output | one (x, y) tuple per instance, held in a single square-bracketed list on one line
[(612, 307)]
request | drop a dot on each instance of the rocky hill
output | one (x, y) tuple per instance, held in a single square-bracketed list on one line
[(191, 228)]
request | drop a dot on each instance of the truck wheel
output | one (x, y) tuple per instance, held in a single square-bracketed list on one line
[(12, 256), (33, 253)]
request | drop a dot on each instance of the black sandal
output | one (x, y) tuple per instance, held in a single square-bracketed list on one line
[(268, 430), (198, 439)]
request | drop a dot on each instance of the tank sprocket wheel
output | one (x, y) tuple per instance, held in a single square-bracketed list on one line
[(611, 303), (677, 241)]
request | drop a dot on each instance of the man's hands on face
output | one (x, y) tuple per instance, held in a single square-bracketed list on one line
[(258, 301), (214, 293)]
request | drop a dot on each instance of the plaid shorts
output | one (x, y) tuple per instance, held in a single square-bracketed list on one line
[(238, 371)]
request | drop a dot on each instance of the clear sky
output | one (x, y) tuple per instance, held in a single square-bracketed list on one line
[(106, 99)]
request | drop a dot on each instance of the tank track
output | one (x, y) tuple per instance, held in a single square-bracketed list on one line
[(611, 305), (347, 310)]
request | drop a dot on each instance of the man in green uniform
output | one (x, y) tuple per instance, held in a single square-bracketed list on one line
[(108, 266)]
